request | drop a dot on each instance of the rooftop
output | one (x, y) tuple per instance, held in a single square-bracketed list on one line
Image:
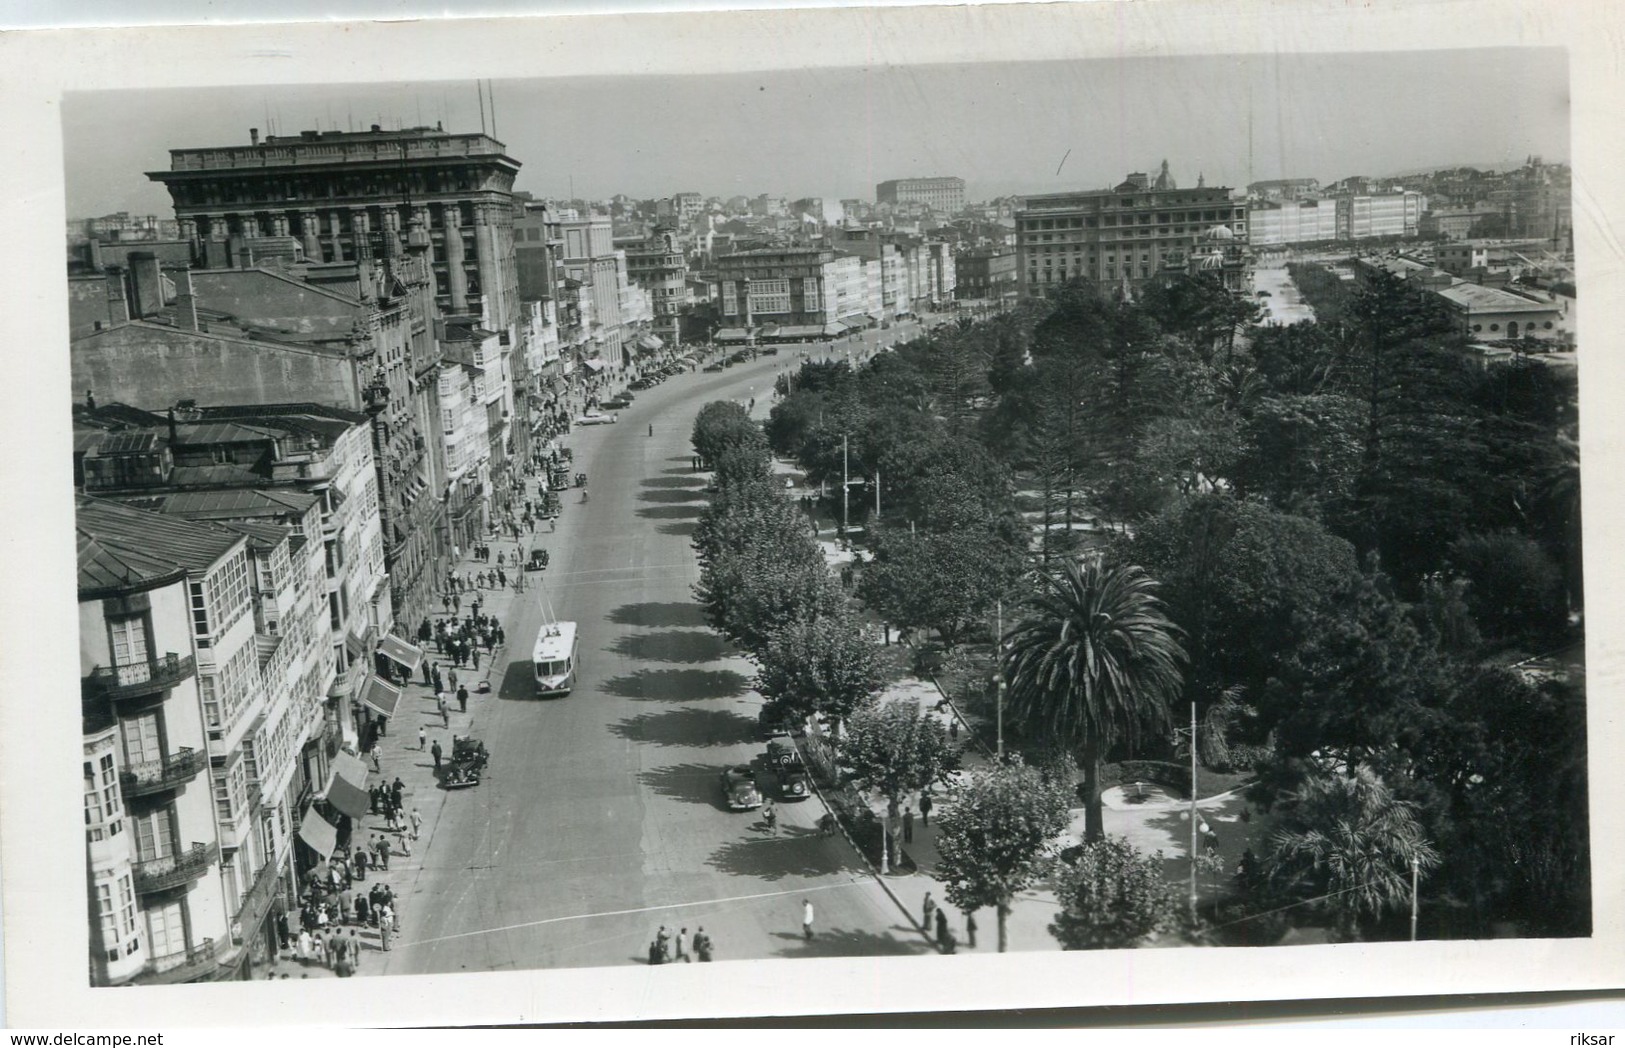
[(120, 546), (321, 148), (1477, 298), (229, 503)]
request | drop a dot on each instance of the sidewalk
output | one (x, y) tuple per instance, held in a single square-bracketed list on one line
[(400, 757)]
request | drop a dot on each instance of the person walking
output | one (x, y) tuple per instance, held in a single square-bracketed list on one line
[(970, 928), (363, 910), (427, 677), (451, 677), (382, 847), (377, 758), (423, 737), (945, 936), (771, 816), (445, 715), (663, 944), (929, 909), (682, 951), (807, 919), (305, 946), (702, 945), (386, 925), (925, 809), (417, 822), (474, 653), (462, 697), (437, 685), (908, 825), (360, 863)]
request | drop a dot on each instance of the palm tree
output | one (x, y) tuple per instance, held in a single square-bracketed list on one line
[(1096, 661), (1346, 838)]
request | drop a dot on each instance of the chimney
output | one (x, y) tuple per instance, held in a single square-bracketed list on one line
[(185, 303), (253, 136), (118, 300), (147, 284)]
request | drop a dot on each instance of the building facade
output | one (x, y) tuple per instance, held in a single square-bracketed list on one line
[(1127, 234), (660, 266), (985, 273), (1292, 222), (1362, 216), (941, 193)]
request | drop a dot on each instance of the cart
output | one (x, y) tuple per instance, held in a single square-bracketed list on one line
[(538, 560), (558, 478), (581, 480)]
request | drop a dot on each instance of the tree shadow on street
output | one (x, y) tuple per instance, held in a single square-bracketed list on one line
[(792, 852), (677, 685), (679, 495), (671, 646), (684, 528), (658, 613), (851, 942), (694, 783), (689, 479), (687, 726), (684, 511)]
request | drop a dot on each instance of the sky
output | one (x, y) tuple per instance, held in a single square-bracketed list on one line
[(1004, 127)]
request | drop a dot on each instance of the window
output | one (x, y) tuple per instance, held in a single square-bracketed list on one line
[(166, 929), (209, 690), (154, 835), (141, 738), (1495, 327), (129, 638)]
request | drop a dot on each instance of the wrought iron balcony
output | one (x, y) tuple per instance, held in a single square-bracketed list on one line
[(172, 871), (168, 773), (257, 903), (142, 678), (193, 964)]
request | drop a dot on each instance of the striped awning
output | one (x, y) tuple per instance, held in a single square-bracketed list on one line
[(380, 695), (317, 832), (408, 656)]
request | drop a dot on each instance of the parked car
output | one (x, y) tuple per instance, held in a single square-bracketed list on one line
[(785, 760), (713, 367), (616, 404), (739, 789), (770, 351), (593, 418), (642, 383)]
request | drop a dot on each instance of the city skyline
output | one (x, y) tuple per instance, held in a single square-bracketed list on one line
[(791, 133)]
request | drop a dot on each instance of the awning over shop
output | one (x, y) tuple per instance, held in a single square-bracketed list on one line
[(408, 656), (856, 321), (380, 695), (769, 331), (651, 343), (831, 330), (318, 833), (356, 643), (801, 331), (348, 790), (594, 365), (732, 335)]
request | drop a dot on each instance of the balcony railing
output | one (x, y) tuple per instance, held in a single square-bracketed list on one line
[(257, 903), (172, 871), (143, 678), (168, 773), (193, 964)]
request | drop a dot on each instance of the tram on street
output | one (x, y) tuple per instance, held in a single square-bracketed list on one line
[(555, 658)]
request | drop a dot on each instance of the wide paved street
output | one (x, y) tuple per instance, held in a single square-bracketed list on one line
[(601, 818)]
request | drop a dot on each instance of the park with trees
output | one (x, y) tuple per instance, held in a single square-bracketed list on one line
[(1352, 545)]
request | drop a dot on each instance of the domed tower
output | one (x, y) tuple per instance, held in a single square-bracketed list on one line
[(1164, 179)]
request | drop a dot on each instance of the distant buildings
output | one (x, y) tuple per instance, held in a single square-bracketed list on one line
[(1482, 313), (1127, 234), (659, 265), (945, 194), (986, 273)]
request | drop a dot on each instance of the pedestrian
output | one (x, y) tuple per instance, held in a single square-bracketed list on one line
[(360, 864), (925, 809), (771, 817), (427, 678), (344, 908), (807, 919), (306, 945), (417, 822), (682, 952), (476, 654), (970, 928), (383, 853), (827, 825), (375, 796), (908, 825), (462, 698), (376, 758), (423, 737), (437, 685), (663, 944), (945, 937), (355, 951), (397, 790), (502, 578), (386, 925), (445, 716), (451, 677), (363, 910), (702, 945), (930, 910), (406, 842), (435, 751)]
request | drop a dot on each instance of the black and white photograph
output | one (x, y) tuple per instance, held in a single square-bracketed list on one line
[(903, 520)]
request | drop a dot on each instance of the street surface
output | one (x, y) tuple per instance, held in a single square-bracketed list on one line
[(601, 816)]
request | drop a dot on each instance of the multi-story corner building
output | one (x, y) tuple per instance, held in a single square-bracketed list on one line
[(352, 196), (350, 336), (1362, 216), (1125, 234), (985, 273), (586, 254), (875, 245), (945, 193), (159, 908), (686, 207), (1292, 222), (790, 292), (660, 266)]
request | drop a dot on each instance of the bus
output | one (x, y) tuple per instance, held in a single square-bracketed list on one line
[(555, 658)]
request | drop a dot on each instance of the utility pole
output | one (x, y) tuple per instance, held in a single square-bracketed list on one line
[(877, 492), (1195, 819), (845, 486), (1414, 878), (998, 661)]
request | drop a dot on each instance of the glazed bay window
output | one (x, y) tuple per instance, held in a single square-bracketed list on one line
[(104, 812)]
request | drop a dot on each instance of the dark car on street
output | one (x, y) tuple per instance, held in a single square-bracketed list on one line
[(785, 760), (739, 790), (713, 367)]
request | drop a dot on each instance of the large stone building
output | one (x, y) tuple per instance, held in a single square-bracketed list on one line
[(1128, 234), (794, 293), (659, 265), (1292, 222), (986, 273), (941, 193)]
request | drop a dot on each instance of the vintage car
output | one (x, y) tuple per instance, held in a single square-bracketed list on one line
[(468, 759), (593, 418), (739, 789), (790, 770)]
